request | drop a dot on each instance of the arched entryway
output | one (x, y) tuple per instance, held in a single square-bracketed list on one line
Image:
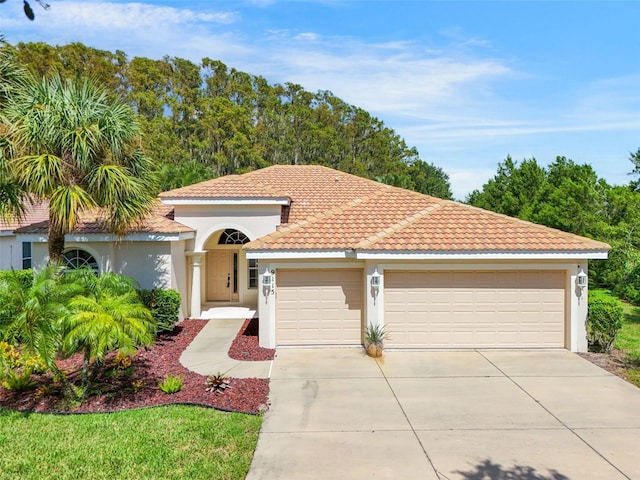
[(228, 272)]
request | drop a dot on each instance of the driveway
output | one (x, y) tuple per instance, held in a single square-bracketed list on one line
[(338, 414)]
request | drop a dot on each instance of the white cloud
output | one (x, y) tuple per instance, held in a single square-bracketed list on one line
[(458, 100)]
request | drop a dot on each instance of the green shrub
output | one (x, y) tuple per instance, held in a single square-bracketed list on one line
[(18, 380), (171, 384), (25, 277), (604, 321), (164, 306), (15, 361), (9, 302)]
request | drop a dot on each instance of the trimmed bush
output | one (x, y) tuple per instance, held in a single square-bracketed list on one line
[(604, 321), (164, 306), (25, 277)]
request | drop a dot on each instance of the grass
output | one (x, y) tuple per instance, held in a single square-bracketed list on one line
[(176, 442), (628, 341)]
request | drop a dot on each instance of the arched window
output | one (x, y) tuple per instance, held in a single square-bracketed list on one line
[(76, 258), (232, 237)]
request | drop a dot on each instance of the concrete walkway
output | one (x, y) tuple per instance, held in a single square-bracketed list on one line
[(208, 352), (338, 414)]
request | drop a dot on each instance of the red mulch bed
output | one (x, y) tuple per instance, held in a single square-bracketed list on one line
[(245, 345), (137, 387)]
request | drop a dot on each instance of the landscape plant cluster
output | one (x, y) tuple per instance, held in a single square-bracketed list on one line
[(56, 313)]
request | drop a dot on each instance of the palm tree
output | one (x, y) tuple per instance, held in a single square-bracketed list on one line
[(34, 314), (68, 143), (107, 316), (12, 78)]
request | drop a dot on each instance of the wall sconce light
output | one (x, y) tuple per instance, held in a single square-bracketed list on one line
[(375, 281), (267, 281), (581, 278)]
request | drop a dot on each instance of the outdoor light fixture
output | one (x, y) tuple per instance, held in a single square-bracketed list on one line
[(375, 281), (267, 278), (581, 278), (267, 281)]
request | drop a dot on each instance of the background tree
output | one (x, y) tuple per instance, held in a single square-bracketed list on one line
[(571, 197), (230, 121), (429, 179), (72, 145)]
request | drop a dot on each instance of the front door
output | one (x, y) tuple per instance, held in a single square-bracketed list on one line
[(219, 275)]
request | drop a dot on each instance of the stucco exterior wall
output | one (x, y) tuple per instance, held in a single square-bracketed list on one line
[(10, 253), (179, 274), (150, 263), (252, 220)]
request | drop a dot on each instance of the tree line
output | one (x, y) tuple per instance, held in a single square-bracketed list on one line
[(205, 120), (571, 197)]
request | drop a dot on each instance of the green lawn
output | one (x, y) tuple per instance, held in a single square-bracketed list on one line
[(173, 442), (628, 341)]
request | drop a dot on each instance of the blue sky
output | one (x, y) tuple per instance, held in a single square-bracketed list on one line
[(465, 82)]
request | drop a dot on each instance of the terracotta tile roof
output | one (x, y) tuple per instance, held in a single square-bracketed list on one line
[(313, 189), (231, 186), (366, 215), (37, 211), (159, 221)]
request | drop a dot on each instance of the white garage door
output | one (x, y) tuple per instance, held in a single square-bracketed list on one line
[(319, 307), (479, 309)]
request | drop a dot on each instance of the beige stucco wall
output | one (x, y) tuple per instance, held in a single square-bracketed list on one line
[(10, 253), (150, 263), (252, 220), (209, 221)]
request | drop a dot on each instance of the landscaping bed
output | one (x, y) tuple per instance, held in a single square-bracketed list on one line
[(245, 346), (122, 387)]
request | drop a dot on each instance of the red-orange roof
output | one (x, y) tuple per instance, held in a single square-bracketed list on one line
[(159, 221), (36, 211), (334, 210)]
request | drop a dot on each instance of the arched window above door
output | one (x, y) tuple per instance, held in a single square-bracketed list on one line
[(232, 237)]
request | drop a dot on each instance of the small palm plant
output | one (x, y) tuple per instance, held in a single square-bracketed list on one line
[(374, 337), (107, 317)]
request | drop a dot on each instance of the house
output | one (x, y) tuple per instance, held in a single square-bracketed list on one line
[(320, 253)]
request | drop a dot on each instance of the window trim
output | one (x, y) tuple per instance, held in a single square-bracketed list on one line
[(252, 268)]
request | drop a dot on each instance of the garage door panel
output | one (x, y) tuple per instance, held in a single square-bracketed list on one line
[(315, 307), (487, 309)]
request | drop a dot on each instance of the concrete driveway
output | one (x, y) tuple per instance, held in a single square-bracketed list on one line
[(337, 414)]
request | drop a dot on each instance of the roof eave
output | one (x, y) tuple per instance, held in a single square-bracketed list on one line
[(107, 237), (226, 201), (296, 254), (428, 255), (483, 255)]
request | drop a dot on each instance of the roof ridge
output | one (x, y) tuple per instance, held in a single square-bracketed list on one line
[(397, 226)]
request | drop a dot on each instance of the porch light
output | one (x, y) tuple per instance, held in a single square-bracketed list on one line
[(267, 279), (581, 278), (375, 281)]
